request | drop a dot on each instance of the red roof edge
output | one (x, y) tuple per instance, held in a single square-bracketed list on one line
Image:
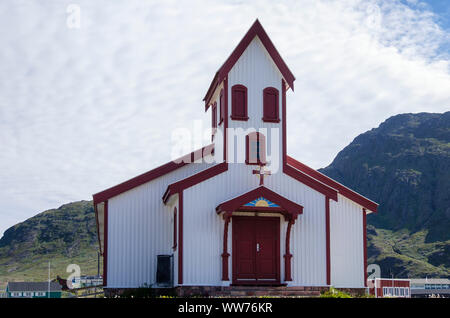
[(201, 176), (153, 174), (346, 192), (235, 203), (98, 229), (255, 30)]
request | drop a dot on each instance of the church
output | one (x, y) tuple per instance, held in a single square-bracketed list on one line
[(239, 211)]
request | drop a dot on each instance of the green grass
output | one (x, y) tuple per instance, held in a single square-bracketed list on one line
[(63, 236), (405, 254)]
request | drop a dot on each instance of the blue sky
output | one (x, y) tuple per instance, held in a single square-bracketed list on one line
[(82, 109), (442, 9)]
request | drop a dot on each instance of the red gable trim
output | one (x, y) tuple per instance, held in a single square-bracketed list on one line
[(98, 229), (310, 182), (153, 174), (105, 246), (365, 245), (327, 239), (255, 30), (188, 182), (180, 239), (234, 204), (350, 194)]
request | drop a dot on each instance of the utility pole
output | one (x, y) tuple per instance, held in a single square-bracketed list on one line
[(48, 279)]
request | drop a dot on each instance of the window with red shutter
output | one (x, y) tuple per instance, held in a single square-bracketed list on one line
[(255, 149), (174, 247), (221, 106), (214, 118), (239, 102), (270, 105)]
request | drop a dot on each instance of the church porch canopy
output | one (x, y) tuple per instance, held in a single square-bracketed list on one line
[(261, 199)]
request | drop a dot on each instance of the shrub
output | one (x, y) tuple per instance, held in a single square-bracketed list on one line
[(334, 293)]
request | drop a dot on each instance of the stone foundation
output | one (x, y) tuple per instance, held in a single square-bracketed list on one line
[(353, 291), (216, 291)]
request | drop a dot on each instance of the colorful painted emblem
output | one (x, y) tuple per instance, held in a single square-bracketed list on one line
[(262, 202)]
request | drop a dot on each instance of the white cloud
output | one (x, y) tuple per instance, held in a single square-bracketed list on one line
[(84, 109)]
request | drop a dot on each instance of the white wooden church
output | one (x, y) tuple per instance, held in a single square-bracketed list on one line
[(266, 219)]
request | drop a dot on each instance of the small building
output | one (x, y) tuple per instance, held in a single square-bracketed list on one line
[(33, 290), (430, 287), (87, 281), (386, 287)]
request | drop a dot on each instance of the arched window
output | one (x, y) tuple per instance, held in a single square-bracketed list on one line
[(255, 149), (270, 105), (239, 102), (174, 247)]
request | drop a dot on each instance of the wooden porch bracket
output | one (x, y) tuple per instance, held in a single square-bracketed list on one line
[(225, 254), (288, 255)]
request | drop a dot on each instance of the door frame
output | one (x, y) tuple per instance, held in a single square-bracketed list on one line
[(277, 252)]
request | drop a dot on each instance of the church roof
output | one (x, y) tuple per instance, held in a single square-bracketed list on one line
[(255, 30), (33, 286), (152, 174), (343, 190), (208, 173)]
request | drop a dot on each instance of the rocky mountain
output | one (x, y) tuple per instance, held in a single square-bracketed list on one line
[(404, 165)]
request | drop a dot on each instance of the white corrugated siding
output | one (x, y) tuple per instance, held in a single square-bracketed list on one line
[(203, 244), (140, 228), (346, 244)]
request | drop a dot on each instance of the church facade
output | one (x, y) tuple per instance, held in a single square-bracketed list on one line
[(239, 211)]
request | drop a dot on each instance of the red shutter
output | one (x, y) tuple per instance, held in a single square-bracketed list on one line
[(270, 105), (239, 102), (174, 247), (255, 143), (214, 116), (214, 119), (221, 105)]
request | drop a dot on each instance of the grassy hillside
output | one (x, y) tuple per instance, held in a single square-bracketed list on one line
[(404, 165), (407, 254), (63, 236)]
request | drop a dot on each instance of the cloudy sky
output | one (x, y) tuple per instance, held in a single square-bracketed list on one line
[(84, 106)]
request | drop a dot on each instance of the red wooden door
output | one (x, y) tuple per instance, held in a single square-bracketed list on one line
[(256, 250)]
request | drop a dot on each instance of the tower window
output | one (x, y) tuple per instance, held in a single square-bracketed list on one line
[(270, 105), (255, 149), (239, 102)]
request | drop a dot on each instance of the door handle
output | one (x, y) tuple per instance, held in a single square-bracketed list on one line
[(257, 247)]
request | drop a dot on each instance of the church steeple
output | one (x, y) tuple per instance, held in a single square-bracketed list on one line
[(248, 94)]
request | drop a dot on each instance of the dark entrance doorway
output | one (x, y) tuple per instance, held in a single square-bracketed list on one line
[(256, 250)]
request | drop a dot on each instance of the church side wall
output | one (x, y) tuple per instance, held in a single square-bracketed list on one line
[(140, 227), (346, 244)]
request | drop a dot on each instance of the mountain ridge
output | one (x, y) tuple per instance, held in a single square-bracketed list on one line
[(404, 165)]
